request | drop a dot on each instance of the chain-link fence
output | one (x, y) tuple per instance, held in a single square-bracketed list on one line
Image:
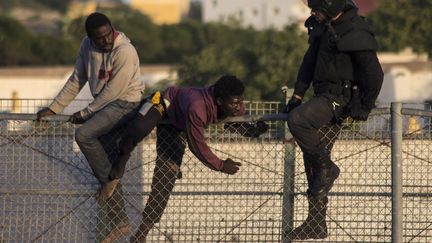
[(48, 189)]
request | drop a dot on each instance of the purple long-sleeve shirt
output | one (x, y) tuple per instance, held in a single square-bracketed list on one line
[(191, 110)]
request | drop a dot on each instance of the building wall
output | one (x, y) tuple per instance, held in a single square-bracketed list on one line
[(259, 14), (83, 8), (408, 77), (162, 11), (401, 84)]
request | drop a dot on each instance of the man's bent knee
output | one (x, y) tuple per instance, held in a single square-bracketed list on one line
[(81, 136)]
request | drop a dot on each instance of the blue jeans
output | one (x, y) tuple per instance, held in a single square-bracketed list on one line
[(98, 140), (98, 137)]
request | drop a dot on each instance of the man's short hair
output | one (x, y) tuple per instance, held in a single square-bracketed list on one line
[(94, 21), (227, 86)]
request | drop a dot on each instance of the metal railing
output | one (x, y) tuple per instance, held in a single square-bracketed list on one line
[(383, 194)]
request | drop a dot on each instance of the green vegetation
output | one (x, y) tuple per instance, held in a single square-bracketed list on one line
[(403, 23), (61, 6), (266, 60), (19, 46)]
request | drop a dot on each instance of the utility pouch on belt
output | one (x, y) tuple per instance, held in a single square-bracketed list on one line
[(155, 100)]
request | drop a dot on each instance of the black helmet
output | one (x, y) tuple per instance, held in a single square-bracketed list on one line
[(329, 7)]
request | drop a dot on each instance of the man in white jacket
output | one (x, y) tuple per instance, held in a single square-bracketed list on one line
[(109, 63)]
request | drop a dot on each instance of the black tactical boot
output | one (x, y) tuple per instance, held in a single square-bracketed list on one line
[(325, 174), (315, 225)]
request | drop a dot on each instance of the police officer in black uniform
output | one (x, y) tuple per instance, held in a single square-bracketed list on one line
[(343, 68)]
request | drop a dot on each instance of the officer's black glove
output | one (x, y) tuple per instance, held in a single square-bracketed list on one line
[(76, 118), (292, 103), (359, 112)]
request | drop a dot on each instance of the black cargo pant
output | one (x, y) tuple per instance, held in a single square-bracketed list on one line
[(315, 125), (170, 147)]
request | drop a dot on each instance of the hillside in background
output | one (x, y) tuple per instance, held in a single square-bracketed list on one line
[(41, 16), (55, 5)]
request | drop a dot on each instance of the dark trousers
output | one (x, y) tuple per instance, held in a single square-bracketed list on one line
[(137, 129), (314, 124), (98, 137), (170, 146)]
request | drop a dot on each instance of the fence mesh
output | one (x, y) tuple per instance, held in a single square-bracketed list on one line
[(417, 177), (48, 191)]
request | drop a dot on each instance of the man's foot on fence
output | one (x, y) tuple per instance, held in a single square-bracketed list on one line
[(117, 232), (107, 190)]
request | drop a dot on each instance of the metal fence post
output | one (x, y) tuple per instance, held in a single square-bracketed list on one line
[(288, 179), (396, 170)]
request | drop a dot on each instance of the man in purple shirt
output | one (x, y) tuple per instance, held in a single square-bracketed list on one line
[(188, 110)]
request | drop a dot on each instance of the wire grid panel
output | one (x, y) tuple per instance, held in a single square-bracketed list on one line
[(48, 188), (34, 105), (417, 178), (43, 180), (208, 206)]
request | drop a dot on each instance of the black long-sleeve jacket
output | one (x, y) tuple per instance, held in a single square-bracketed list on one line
[(351, 55)]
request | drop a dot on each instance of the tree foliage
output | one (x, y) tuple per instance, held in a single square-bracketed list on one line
[(18, 46), (265, 60), (15, 43), (404, 23), (59, 5), (55, 4)]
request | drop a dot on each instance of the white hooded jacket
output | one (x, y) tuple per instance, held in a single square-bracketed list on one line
[(111, 75)]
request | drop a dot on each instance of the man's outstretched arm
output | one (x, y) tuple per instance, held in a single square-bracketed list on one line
[(198, 146)]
